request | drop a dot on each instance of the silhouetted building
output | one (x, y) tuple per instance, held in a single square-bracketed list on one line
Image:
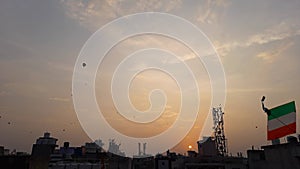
[(192, 153), (89, 156), (41, 152), (6, 152), (163, 163), (1, 151), (20, 161), (194, 161), (207, 147), (170, 161), (15, 160), (279, 156), (118, 162), (143, 163), (217, 162)]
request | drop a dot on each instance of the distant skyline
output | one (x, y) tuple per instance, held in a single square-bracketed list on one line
[(257, 42)]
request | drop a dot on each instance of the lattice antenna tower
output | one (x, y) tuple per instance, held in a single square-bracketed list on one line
[(219, 134)]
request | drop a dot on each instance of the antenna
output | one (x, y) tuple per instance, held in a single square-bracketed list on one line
[(219, 134)]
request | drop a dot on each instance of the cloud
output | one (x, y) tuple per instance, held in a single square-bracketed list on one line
[(94, 13), (248, 90), (156, 5), (270, 56), (59, 99), (211, 11), (278, 32), (91, 13)]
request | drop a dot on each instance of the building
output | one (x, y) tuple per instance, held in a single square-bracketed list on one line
[(208, 157), (207, 147), (143, 163), (88, 156), (15, 160), (19, 161), (196, 161), (217, 162), (170, 161), (279, 156), (1, 151), (41, 151)]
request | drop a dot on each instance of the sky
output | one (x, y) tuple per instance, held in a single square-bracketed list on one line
[(40, 42)]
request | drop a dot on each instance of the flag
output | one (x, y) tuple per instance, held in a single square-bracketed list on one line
[(282, 121)]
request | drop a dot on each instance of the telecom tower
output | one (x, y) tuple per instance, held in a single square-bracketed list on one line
[(220, 140)]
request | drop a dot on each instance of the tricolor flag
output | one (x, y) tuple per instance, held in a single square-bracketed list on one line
[(282, 121)]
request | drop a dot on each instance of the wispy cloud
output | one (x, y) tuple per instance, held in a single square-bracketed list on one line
[(271, 55), (211, 11), (59, 99), (248, 90), (95, 13), (275, 33), (156, 5), (91, 13)]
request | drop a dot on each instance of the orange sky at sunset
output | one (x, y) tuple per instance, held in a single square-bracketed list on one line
[(257, 42)]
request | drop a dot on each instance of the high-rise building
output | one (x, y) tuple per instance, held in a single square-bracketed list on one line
[(41, 151)]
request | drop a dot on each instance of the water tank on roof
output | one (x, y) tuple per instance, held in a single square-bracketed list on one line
[(292, 139)]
